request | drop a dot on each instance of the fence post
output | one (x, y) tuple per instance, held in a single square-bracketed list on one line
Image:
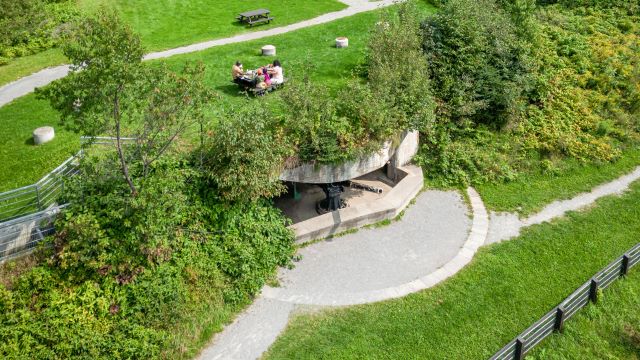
[(593, 290), (625, 264), (519, 355), (560, 311), (38, 197)]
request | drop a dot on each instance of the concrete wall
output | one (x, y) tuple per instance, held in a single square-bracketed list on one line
[(320, 174), (388, 207)]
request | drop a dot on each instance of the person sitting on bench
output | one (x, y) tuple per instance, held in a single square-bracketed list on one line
[(276, 72), (237, 71), (261, 82)]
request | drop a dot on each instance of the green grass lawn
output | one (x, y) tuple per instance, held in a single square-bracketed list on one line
[(164, 24), (27, 65), (22, 162), (532, 191), (312, 46), (332, 66), (608, 330), (504, 290)]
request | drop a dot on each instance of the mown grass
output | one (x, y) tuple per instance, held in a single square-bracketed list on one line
[(27, 65), (310, 51), (505, 289), (533, 190), (24, 163), (608, 330), (164, 24)]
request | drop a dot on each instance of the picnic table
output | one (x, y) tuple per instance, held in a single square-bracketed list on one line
[(255, 17), (247, 83)]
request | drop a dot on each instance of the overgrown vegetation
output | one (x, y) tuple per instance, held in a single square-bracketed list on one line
[(31, 26), (147, 244), (521, 87), (392, 96)]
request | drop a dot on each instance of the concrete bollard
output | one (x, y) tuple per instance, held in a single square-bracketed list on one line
[(342, 42), (269, 50), (43, 134)]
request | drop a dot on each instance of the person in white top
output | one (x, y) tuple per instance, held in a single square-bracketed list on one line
[(276, 72)]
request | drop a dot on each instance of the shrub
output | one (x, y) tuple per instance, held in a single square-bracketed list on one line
[(398, 71), (30, 26), (244, 154), (478, 65), (125, 274)]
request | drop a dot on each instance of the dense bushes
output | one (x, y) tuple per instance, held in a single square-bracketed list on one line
[(150, 258), (519, 87), (478, 64), (30, 26), (124, 272)]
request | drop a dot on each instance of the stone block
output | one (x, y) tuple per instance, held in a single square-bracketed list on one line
[(43, 134), (269, 50), (342, 42)]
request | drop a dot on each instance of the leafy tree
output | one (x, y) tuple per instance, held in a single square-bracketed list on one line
[(110, 92), (479, 65), (244, 155), (398, 71)]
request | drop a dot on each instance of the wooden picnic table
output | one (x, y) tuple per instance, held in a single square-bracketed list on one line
[(255, 17)]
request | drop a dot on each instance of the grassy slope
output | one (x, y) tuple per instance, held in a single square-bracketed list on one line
[(164, 24), (22, 162), (530, 192), (27, 163), (609, 330), (27, 65), (506, 288)]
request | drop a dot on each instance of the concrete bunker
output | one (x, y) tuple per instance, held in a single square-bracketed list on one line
[(325, 199)]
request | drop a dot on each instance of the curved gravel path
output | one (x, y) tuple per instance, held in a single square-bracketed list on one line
[(434, 240), (28, 84), (505, 226), (424, 248)]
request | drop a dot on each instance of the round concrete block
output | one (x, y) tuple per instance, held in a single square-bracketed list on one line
[(342, 42), (269, 50), (43, 134)]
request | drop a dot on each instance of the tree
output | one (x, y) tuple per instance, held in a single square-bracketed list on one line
[(479, 65), (398, 71), (110, 92), (245, 154)]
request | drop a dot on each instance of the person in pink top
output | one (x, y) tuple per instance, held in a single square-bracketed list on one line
[(276, 72)]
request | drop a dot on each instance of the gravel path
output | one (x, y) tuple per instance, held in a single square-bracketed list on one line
[(27, 84), (504, 226), (427, 246), (435, 239)]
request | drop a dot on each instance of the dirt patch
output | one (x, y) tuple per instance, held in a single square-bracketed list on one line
[(12, 269)]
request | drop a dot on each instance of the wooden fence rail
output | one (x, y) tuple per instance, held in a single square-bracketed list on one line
[(554, 319)]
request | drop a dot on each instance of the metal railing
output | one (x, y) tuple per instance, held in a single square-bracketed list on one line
[(37, 197), (40, 196), (20, 236), (554, 319)]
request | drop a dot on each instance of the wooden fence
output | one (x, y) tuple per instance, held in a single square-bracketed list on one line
[(554, 319)]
